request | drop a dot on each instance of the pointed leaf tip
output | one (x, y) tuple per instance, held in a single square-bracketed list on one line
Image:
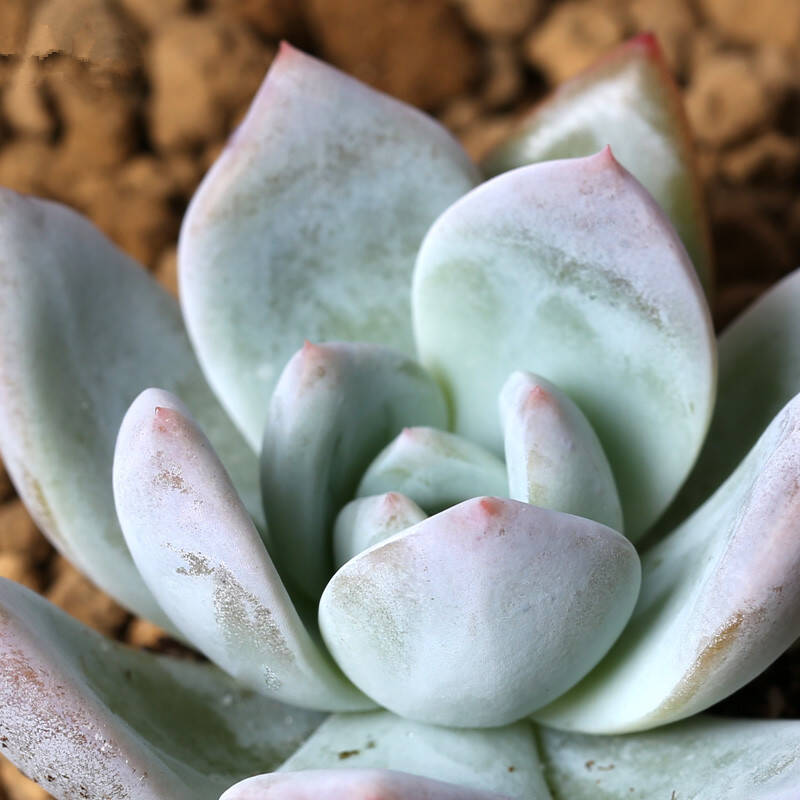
[(648, 43), (65, 389), (627, 99), (174, 500), (331, 413), (553, 456), (327, 251), (540, 269)]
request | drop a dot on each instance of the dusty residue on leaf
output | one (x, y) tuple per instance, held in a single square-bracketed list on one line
[(246, 623), (43, 727)]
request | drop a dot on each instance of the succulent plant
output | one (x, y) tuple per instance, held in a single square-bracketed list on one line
[(435, 598)]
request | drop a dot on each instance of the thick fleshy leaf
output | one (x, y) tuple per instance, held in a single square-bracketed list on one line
[(630, 101), (368, 520), (435, 469), (554, 458), (570, 270), (334, 408), (705, 758), (759, 372), (89, 718), (351, 784), (83, 329), (481, 614), (503, 760), (307, 227), (718, 604), (200, 554)]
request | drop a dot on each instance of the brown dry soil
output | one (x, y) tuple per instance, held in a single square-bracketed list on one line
[(117, 107)]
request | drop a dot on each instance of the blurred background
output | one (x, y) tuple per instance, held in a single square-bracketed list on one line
[(118, 107)]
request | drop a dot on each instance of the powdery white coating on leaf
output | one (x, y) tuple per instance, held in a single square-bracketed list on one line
[(335, 407), (479, 615), (203, 559), (503, 760), (366, 521), (435, 469), (73, 355), (759, 372), (554, 458), (307, 227), (570, 270), (718, 604), (705, 758), (89, 718), (627, 100), (362, 784)]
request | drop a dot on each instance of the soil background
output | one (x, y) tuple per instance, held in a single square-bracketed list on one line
[(117, 107)]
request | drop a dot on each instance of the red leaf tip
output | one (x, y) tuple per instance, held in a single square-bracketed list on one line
[(287, 50), (491, 506), (165, 418), (647, 43)]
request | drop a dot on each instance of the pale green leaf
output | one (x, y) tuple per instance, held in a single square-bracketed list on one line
[(705, 758), (89, 718), (503, 760), (479, 615), (568, 269), (366, 521), (203, 559), (83, 330), (435, 469), (554, 458), (334, 409), (718, 604), (627, 100), (307, 227), (759, 372)]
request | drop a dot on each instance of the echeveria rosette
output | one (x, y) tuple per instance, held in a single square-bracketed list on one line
[(444, 538)]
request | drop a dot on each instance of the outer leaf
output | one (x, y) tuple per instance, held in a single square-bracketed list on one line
[(368, 520), (541, 269), (718, 604), (435, 469), (89, 718), (481, 614), (73, 355), (627, 100), (501, 760), (203, 559), (334, 408), (700, 759), (350, 785), (555, 459), (759, 372), (307, 227)]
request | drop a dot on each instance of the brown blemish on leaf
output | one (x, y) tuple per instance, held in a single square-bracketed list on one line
[(168, 475), (166, 479), (344, 754), (40, 509), (711, 654)]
